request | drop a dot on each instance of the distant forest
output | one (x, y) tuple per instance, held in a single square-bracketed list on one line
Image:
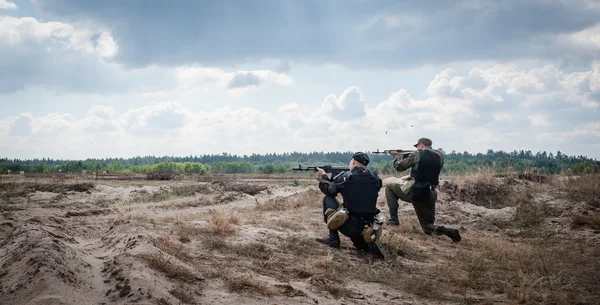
[(455, 162)]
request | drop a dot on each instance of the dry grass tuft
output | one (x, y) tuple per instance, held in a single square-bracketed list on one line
[(584, 188), (249, 284), (252, 250), (288, 224), (337, 290), (222, 223), (300, 247), (183, 295), (161, 262), (187, 232), (214, 242), (531, 213), (397, 245), (172, 248)]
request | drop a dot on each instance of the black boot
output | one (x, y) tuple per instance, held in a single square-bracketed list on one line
[(374, 249), (450, 232), (393, 221), (333, 240)]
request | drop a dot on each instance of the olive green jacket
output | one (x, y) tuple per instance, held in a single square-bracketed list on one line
[(412, 161)]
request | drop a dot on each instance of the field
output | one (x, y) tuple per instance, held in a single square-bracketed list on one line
[(234, 239)]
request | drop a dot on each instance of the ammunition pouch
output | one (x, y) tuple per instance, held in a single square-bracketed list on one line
[(336, 219), (372, 233)]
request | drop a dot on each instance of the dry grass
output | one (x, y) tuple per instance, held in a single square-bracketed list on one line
[(531, 213), (163, 263), (397, 245), (528, 273), (310, 198), (336, 289), (590, 220), (584, 188), (22, 189), (214, 242), (247, 283), (187, 232), (174, 249), (241, 187), (183, 294), (291, 224), (494, 194), (172, 192), (527, 269), (252, 250), (223, 223)]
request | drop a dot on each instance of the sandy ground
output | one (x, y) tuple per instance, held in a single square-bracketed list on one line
[(251, 241)]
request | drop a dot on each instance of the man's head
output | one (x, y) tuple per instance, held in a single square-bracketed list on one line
[(359, 159), (423, 143)]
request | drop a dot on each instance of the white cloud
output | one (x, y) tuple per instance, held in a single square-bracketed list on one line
[(587, 39), (69, 57), (461, 112), (539, 120), (25, 31), (21, 125), (103, 112), (156, 118), (192, 76), (349, 105), (7, 5)]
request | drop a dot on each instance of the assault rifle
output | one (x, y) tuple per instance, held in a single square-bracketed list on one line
[(327, 168), (403, 153)]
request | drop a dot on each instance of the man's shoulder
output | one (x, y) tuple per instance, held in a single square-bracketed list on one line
[(342, 176), (434, 151)]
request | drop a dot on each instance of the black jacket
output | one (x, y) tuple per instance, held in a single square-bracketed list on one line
[(359, 188)]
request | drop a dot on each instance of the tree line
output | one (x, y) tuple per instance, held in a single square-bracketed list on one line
[(455, 162)]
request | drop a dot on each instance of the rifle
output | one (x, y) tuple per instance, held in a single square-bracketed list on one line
[(327, 168), (403, 153)]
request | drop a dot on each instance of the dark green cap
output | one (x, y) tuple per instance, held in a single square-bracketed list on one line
[(424, 141)]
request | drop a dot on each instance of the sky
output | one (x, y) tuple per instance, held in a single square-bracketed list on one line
[(112, 78)]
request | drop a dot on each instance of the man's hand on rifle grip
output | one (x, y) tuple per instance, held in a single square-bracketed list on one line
[(320, 172)]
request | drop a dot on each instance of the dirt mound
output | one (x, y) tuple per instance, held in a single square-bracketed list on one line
[(534, 177), (14, 189), (242, 187), (247, 241), (493, 193), (36, 260), (311, 197)]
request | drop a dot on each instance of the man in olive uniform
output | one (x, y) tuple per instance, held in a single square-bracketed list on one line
[(426, 164), (359, 188)]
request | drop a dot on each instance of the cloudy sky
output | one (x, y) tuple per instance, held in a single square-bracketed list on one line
[(113, 78)]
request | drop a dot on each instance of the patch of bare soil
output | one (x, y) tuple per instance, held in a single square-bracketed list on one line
[(526, 240)]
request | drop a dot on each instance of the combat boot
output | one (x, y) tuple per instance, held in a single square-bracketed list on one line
[(450, 232), (333, 240), (374, 249), (393, 221)]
